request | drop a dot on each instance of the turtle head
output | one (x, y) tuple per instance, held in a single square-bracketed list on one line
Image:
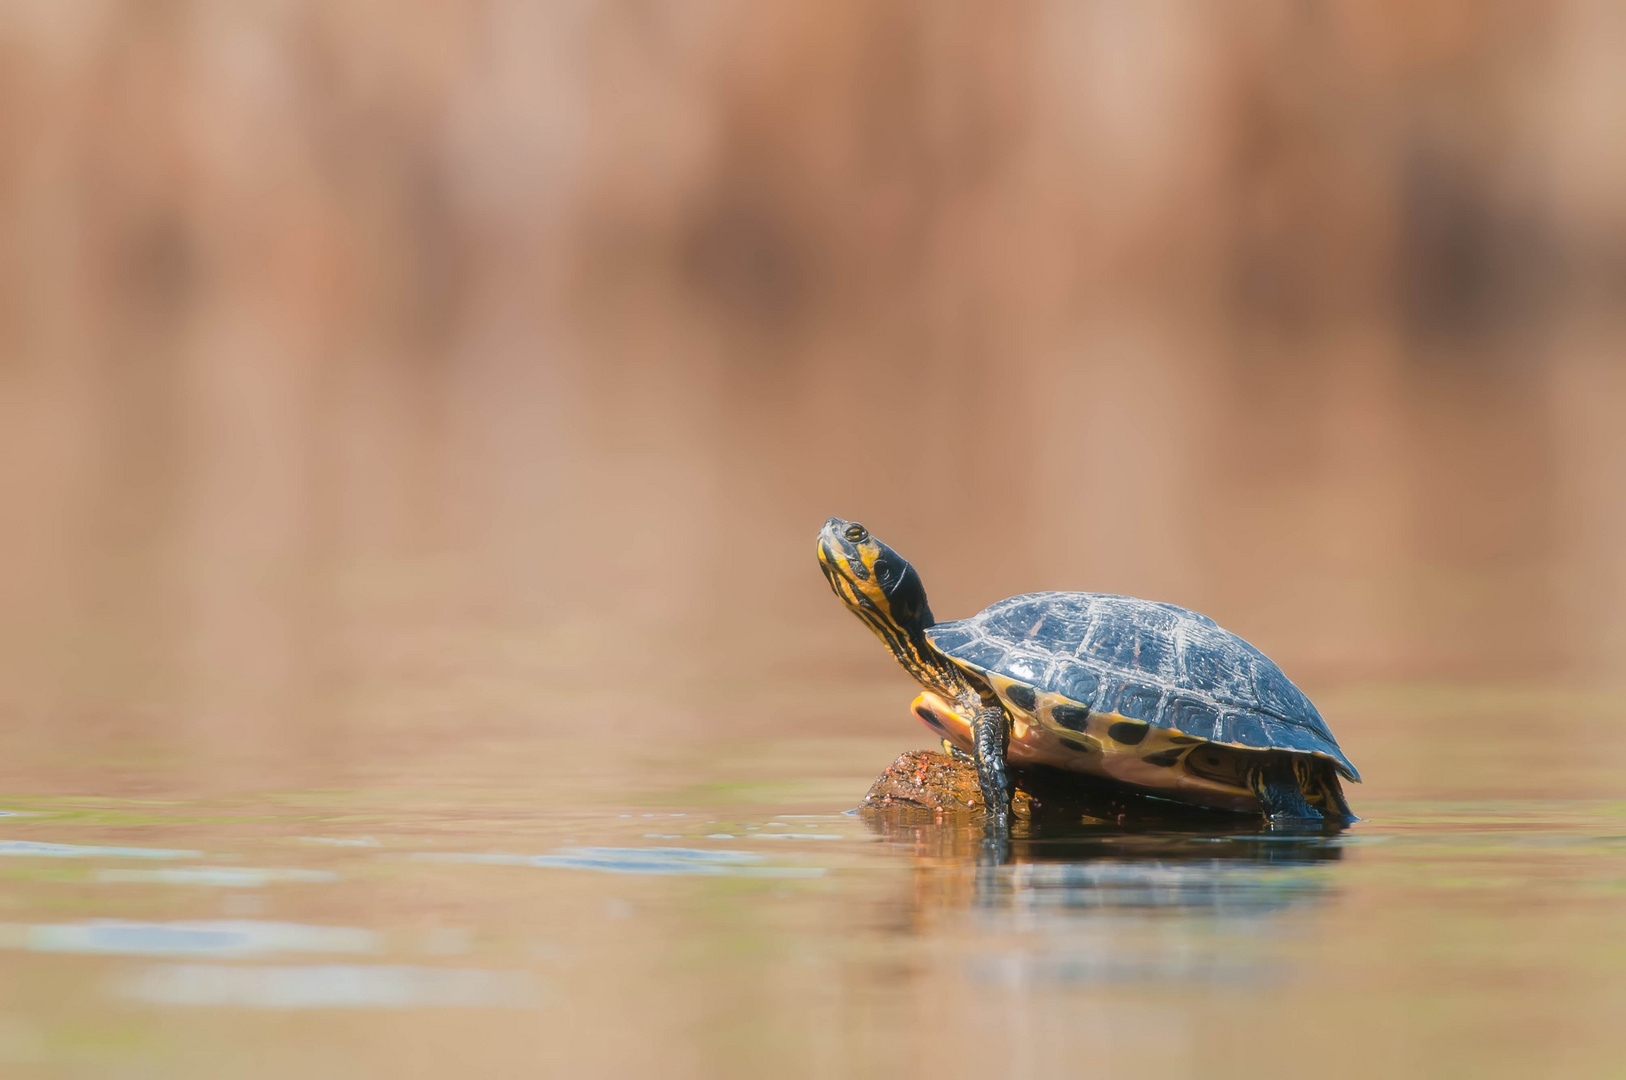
[(874, 581)]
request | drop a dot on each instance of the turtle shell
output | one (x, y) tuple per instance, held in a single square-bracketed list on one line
[(1163, 665)]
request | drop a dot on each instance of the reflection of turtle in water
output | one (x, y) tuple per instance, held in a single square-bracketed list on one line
[(1196, 862), (1147, 694)]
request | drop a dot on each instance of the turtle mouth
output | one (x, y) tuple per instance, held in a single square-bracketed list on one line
[(844, 566), (838, 554), (838, 572)]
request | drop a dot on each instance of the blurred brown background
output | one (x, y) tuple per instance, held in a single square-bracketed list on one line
[(376, 374)]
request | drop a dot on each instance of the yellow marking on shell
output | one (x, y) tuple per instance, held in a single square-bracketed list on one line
[(1039, 741), (1105, 756), (1137, 725), (1044, 713), (1019, 716)]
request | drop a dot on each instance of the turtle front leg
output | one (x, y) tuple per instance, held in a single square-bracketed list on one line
[(990, 734)]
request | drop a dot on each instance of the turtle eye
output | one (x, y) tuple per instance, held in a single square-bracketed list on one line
[(857, 533)]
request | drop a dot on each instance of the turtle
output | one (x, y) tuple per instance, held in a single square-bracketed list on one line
[(1147, 694)]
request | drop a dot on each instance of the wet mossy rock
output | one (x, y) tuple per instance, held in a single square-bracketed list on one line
[(944, 788), (933, 781)]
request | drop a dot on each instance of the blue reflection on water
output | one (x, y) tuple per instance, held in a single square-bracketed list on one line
[(330, 986), (222, 937), (87, 851), (650, 860), (237, 877)]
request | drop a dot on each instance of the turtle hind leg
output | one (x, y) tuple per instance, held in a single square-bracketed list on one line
[(1275, 783), (1318, 780)]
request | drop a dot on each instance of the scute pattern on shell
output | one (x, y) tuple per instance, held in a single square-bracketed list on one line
[(1156, 662)]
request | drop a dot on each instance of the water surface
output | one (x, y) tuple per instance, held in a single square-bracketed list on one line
[(640, 923)]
